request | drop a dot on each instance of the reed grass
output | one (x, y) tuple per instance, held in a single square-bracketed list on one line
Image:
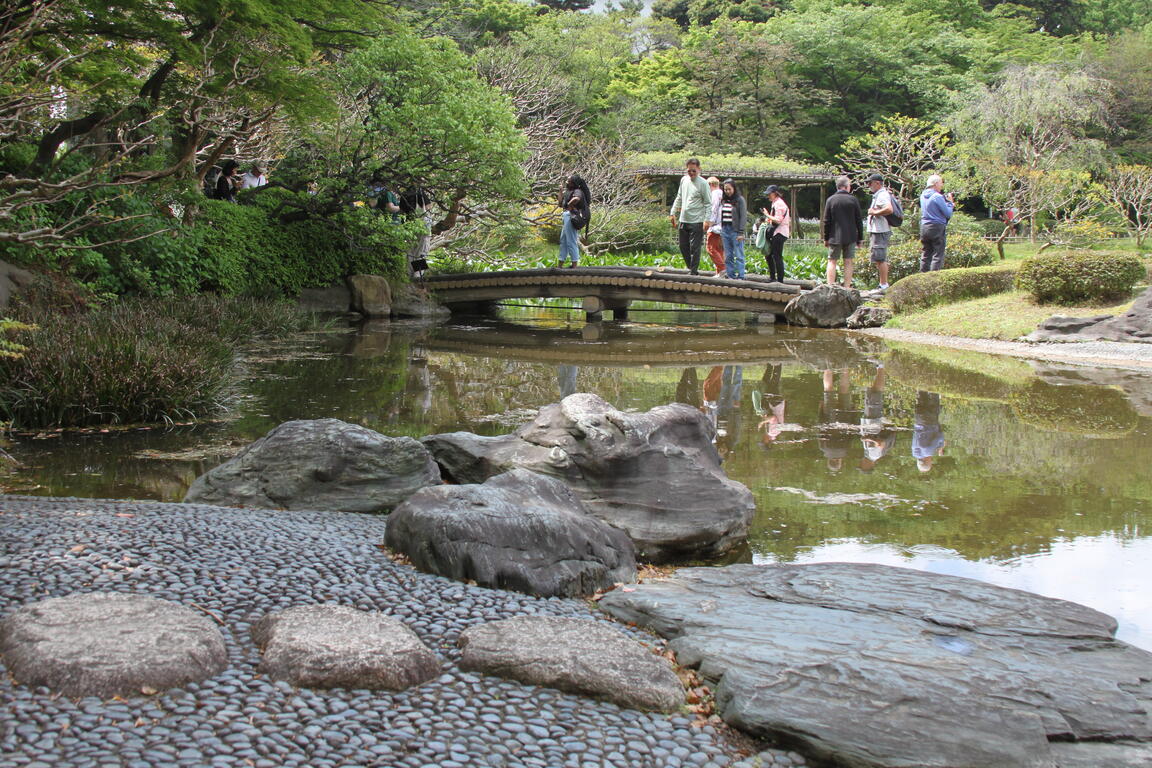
[(140, 360)]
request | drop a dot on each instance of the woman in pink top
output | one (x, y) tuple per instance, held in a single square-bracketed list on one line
[(780, 220)]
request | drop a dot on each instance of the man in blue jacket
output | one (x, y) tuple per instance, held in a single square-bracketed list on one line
[(935, 212)]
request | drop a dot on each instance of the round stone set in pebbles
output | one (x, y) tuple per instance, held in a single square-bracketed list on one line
[(239, 565)]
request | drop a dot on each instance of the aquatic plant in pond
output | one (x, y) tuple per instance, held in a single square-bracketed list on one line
[(135, 361)]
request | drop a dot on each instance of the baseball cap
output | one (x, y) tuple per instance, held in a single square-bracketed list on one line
[(876, 177)]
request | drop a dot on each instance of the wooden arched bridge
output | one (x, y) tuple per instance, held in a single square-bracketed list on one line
[(615, 288)]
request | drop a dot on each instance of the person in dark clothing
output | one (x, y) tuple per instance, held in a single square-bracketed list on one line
[(843, 229), (229, 182)]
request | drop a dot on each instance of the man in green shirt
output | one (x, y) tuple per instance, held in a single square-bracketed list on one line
[(690, 213)]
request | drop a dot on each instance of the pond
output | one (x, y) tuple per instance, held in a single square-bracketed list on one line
[(1027, 475)]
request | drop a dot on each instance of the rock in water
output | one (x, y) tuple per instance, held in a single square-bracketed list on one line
[(109, 644), (655, 475), (519, 530), (319, 464), (868, 665), (576, 655)]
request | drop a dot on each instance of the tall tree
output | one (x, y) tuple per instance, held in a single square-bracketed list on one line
[(903, 149), (1025, 143)]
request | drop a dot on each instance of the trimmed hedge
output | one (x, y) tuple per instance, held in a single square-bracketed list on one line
[(904, 257), (927, 289), (1069, 277)]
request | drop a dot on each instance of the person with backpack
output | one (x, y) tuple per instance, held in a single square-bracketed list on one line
[(881, 218), (575, 201)]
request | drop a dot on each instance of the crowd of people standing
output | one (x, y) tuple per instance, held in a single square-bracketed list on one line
[(712, 215)]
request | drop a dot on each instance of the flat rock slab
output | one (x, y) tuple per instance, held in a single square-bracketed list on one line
[(109, 644), (520, 530), (581, 656), (654, 475), (319, 464), (1135, 325), (333, 646), (868, 665)]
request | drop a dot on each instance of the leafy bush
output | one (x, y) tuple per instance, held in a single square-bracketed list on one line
[(1068, 277), (802, 261), (946, 286), (229, 248), (904, 257), (135, 361)]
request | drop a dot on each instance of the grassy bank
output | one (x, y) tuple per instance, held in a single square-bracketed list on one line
[(1005, 316), (133, 361)]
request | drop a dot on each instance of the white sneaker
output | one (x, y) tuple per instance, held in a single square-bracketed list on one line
[(883, 286)]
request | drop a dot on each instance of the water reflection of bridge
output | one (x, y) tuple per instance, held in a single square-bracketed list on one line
[(613, 345), (615, 288)]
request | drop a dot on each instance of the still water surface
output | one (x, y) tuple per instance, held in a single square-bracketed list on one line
[(1027, 475)]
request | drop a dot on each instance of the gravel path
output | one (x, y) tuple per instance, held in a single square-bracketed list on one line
[(239, 564), (1108, 354)]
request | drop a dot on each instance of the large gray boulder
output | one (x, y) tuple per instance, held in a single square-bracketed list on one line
[(655, 475), (825, 306), (109, 644), (370, 295), (319, 464), (582, 656), (334, 646), (520, 530), (868, 665)]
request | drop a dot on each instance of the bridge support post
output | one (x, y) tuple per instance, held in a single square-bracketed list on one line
[(593, 309), (619, 308)]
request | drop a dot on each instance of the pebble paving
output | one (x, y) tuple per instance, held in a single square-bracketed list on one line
[(236, 565)]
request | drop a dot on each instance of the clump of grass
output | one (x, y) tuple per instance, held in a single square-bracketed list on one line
[(135, 361)]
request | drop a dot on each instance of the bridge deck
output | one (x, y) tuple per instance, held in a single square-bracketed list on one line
[(613, 288)]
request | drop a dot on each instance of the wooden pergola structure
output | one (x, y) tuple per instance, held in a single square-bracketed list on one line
[(748, 180)]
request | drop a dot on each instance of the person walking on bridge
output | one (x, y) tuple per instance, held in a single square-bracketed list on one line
[(690, 212)]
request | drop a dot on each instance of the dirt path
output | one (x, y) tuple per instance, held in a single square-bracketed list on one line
[(1110, 354)]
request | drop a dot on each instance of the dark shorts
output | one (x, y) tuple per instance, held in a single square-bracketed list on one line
[(836, 250)]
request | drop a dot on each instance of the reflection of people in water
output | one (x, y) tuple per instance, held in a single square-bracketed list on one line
[(721, 393), (728, 407), (566, 379), (875, 436), (927, 436), (710, 393), (835, 415), (688, 388), (769, 404)]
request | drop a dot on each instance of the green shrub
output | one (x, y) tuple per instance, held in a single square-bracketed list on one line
[(142, 360), (226, 248), (946, 286), (904, 257), (1068, 277)]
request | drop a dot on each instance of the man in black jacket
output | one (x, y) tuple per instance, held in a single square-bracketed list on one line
[(843, 229)]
